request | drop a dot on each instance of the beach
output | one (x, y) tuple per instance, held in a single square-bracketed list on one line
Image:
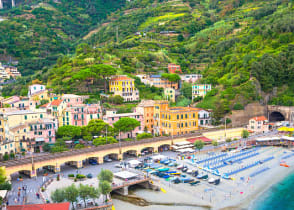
[(239, 193)]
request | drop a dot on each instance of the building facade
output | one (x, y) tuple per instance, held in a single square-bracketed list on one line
[(200, 90), (72, 99), (111, 119), (173, 68), (190, 78), (157, 81), (146, 107), (258, 124), (34, 89), (125, 87), (170, 94), (204, 117)]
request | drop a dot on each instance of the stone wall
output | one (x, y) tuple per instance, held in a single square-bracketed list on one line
[(241, 117)]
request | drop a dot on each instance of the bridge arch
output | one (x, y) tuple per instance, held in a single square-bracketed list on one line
[(130, 153), (110, 157), (147, 150), (276, 116), (163, 147)]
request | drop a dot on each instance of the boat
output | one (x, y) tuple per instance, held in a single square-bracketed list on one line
[(195, 173), (194, 182), (170, 172), (180, 167), (202, 176), (176, 181), (189, 171), (163, 169), (217, 181), (284, 164), (186, 180), (211, 180), (175, 174), (185, 169)]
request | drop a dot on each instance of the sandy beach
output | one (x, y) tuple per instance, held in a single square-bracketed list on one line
[(230, 194)]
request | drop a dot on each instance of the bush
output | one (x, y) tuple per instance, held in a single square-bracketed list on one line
[(80, 176), (102, 141), (71, 175), (238, 106), (144, 136), (5, 186)]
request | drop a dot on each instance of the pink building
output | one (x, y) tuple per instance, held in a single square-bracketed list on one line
[(72, 100), (258, 124), (81, 114), (41, 131), (112, 118)]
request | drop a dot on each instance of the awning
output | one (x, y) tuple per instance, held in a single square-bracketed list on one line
[(125, 175)]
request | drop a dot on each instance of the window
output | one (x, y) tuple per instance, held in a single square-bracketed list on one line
[(50, 139), (177, 116), (91, 116), (186, 116), (193, 115), (25, 117), (181, 116)]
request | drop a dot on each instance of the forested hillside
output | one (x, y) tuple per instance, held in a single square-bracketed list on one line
[(36, 33), (245, 48)]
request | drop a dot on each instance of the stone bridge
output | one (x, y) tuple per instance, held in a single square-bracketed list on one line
[(280, 113)]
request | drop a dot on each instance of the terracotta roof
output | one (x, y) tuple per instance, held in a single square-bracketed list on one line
[(259, 118), (47, 206), (121, 78), (202, 138), (56, 102), (44, 105)]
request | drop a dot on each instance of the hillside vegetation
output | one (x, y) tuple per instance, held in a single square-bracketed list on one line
[(245, 48)]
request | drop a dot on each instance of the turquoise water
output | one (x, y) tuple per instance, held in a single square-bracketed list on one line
[(279, 196)]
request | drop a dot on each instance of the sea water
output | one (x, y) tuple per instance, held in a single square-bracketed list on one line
[(279, 197)]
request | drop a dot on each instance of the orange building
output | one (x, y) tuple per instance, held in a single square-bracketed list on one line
[(146, 107)]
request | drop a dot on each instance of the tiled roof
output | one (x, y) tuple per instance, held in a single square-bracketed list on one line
[(44, 105), (121, 78), (259, 118), (47, 206), (56, 102)]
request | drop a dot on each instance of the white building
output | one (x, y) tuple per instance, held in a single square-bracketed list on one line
[(191, 78), (204, 117), (33, 89)]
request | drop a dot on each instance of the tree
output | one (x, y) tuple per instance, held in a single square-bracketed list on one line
[(144, 136), (46, 147), (117, 99), (214, 143), (69, 131), (180, 38), (79, 146), (96, 126), (103, 140), (5, 156), (186, 90), (105, 175), (245, 134), (199, 144), (94, 193), (58, 196), (84, 192), (2, 175), (71, 194), (104, 71), (126, 124), (104, 188), (228, 140)]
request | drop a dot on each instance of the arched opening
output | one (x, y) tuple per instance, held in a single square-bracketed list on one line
[(276, 116), (147, 150), (164, 147), (45, 170), (22, 174), (110, 157), (91, 161), (129, 154)]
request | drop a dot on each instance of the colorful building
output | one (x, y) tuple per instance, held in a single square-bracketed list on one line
[(173, 68), (111, 119), (34, 89), (159, 106), (56, 109), (190, 78), (258, 124), (178, 120), (72, 99), (146, 107), (204, 117), (200, 90), (170, 94), (157, 81), (80, 115), (125, 87)]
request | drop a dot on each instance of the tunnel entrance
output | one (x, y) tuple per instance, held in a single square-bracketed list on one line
[(276, 116)]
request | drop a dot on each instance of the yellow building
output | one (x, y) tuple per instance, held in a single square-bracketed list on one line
[(146, 107), (125, 87), (170, 94), (179, 120), (158, 107), (57, 110)]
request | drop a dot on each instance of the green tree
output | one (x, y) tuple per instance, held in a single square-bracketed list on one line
[(214, 143), (46, 147), (199, 144), (126, 124), (102, 140), (70, 131), (180, 38), (5, 157), (228, 140), (71, 194), (245, 134), (58, 196), (117, 99), (79, 146), (186, 90), (104, 71), (84, 192), (144, 136), (2, 175), (94, 193), (104, 188), (96, 127), (105, 175)]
